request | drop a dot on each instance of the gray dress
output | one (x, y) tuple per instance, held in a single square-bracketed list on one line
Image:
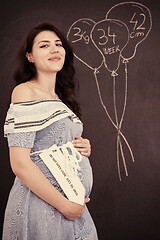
[(38, 125)]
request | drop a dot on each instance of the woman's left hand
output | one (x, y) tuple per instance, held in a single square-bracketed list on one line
[(82, 145)]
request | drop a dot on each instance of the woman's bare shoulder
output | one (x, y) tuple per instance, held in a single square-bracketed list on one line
[(21, 93)]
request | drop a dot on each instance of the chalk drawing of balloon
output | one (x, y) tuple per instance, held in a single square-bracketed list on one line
[(138, 19), (84, 50), (110, 37)]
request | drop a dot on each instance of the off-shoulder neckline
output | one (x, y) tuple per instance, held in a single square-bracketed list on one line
[(35, 101)]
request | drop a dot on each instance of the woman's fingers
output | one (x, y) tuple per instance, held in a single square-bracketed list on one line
[(82, 145), (74, 210), (86, 200), (78, 137)]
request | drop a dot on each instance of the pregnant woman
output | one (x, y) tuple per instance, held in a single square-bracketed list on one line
[(43, 113)]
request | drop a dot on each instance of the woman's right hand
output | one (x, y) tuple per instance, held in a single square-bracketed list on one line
[(74, 210)]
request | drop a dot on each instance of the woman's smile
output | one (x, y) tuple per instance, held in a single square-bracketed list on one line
[(54, 59)]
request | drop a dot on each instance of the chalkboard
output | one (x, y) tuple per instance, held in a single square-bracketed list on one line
[(116, 48)]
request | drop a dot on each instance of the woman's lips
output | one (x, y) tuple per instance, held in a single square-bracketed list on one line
[(54, 59)]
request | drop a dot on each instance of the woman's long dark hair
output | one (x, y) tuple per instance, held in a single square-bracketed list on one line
[(65, 80)]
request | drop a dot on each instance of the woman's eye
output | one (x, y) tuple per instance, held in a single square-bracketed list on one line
[(44, 46), (59, 44)]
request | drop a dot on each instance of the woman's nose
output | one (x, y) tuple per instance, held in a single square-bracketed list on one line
[(54, 49)]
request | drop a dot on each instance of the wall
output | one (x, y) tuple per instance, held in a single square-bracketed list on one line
[(121, 119)]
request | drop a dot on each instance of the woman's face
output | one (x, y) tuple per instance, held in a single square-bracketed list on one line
[(48, 54)]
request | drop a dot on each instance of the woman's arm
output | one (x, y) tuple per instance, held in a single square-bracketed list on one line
[(29, 173), (82, 145)]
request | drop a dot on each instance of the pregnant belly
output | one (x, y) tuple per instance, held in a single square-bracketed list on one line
[(85, 175)]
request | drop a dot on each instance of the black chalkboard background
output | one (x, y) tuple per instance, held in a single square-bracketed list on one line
[(127, 209)]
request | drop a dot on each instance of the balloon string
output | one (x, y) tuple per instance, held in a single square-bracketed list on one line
[(125, 103), (123, 159), (114, 100), (100, 97), (117, 126), (118, 162), (119, 144), (125, 96)]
